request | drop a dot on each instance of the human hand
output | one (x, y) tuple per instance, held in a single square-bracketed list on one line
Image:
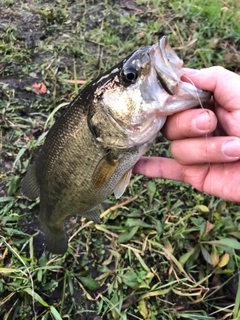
[(208, 162)]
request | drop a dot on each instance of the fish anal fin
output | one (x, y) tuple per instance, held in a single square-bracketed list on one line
[(93, 214), (122, 184), (30, 186), (104, 170)]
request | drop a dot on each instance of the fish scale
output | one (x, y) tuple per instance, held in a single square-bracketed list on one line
[(91, 149)]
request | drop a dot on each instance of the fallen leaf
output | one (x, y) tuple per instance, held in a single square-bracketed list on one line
[(214, 256), (209, 227), (39, 88), (224, 260), (225, 8), (75, 81)]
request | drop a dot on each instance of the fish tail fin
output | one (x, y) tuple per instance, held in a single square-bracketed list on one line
[(55, 239)]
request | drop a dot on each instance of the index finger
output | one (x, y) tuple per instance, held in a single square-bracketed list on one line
[(223, 83)]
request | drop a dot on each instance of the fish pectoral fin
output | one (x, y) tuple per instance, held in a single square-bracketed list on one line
[(122, 184), (30, 186), (104, 170), (93, 215)]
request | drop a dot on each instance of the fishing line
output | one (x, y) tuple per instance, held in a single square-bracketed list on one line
[(200, 103), (197, 95)]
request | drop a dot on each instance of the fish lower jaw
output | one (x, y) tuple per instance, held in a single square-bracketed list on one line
[(194, 92), (145, 133)]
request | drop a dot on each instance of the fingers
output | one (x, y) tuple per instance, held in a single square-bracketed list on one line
[(225, 86), (223, 83), (219, 179), (189, 123), (206, 150), (157, 167), (230, 121)]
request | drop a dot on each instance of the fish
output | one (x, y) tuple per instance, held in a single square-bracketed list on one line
[(91, 149)]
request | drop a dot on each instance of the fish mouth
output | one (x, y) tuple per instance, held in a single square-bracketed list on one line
[(169, 69)]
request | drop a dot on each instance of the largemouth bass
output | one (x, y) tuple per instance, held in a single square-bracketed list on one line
[(91, 149)]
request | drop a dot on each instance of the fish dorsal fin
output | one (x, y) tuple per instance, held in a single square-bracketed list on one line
[(30, 186), (104, 170), (93, 215), (122, 184)]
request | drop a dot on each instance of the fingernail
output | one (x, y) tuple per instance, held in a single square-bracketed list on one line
[(202, 121), (231, 149)]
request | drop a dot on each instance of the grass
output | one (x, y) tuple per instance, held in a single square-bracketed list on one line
[(164, 250)]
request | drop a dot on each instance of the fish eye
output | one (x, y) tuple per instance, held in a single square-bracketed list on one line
[(129, 75)]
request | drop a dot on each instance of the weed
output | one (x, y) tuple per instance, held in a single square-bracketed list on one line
[(164, 250)]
